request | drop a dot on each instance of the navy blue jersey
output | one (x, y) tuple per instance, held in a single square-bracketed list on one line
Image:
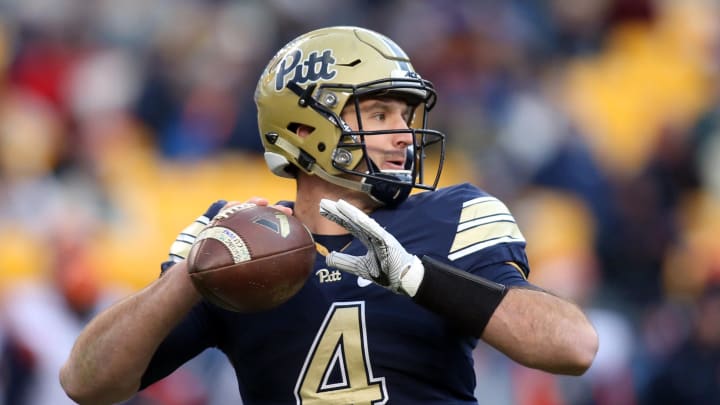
[(342, 339)]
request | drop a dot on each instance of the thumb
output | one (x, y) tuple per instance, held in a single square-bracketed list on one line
[(345, 262)]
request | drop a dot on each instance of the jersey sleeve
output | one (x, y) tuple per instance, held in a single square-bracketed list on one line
[(475, 231)]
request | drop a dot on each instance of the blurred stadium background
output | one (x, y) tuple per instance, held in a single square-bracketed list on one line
[(597, 121)]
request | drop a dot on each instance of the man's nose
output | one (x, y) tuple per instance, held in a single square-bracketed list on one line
[(403, 137)]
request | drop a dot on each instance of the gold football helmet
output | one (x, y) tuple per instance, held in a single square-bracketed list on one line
[(309, 82)]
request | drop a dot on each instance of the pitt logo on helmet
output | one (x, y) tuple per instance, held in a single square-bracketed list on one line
[(315, 67)]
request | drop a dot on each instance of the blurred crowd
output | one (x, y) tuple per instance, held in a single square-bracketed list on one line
[(596, 121)]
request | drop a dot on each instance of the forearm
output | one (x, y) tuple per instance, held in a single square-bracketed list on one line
[(531, 326), (113, 351), (542, 331)]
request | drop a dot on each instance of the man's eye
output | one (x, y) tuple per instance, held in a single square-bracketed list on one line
[(379, 116)]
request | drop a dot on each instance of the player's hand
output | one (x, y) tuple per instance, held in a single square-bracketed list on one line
[(185, 239), (387, 262), (264, 202)]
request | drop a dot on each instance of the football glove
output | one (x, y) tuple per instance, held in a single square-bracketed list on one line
[(185, 239), (386, 262)]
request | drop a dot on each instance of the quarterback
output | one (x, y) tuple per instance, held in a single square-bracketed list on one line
[(405, 284)]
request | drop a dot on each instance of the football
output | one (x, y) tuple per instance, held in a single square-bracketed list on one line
[(251, 258)]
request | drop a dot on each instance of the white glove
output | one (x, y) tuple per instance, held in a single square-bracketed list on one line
[(386, 262), (185, 239)]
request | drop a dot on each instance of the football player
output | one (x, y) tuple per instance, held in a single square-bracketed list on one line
[(405, 283)]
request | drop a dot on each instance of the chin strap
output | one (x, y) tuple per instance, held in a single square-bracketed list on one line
[(389, 192)]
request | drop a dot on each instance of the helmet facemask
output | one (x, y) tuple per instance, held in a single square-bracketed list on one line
[(389, 187)]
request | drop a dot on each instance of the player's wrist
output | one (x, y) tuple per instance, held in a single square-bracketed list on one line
[(412, 276), (178, 279), (465, 299)]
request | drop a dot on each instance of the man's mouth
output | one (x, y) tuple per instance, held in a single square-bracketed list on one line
[(394, 162)]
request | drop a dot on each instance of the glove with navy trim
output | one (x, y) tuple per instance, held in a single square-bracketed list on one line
[(185, 239), (386, 262)]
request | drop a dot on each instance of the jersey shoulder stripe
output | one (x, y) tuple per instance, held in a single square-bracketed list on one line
[(484, 221)]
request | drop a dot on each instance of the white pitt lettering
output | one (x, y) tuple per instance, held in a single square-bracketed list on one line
[(326, 276)]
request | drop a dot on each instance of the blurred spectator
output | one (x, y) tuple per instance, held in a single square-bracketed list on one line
[(706, 139), (690, 373), (196, 96), (43, 319)]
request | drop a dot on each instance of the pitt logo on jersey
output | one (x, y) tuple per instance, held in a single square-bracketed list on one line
[(327, 276), (317, 66)]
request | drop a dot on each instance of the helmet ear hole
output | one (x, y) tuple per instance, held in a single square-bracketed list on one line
[(301, 130)]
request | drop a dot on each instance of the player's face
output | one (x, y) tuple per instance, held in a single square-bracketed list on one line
[(388, 151)]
